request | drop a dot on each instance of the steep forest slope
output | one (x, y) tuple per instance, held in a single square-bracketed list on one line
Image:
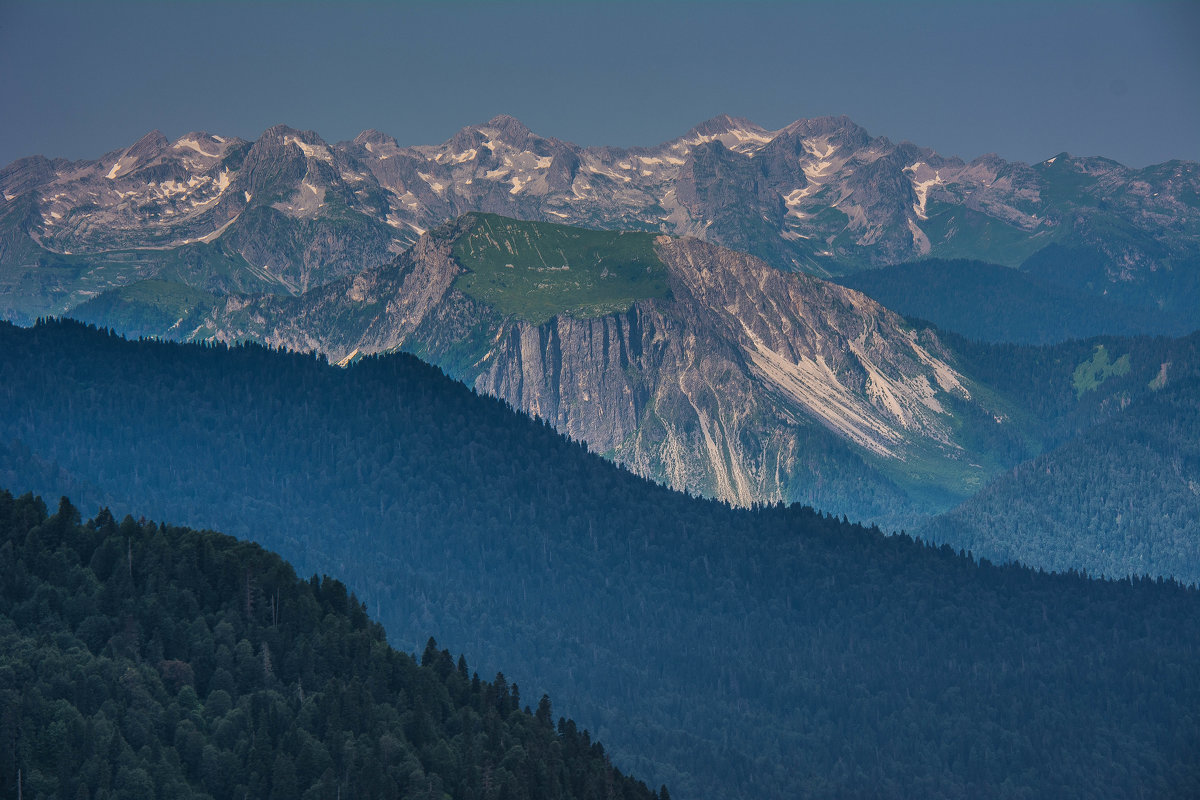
[(992, 303), (140, 660)]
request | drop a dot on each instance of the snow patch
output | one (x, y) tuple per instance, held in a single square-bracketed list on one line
[(818, 170), (608, 173), (740, 140), (438, 188), (920, 240), (192, 144), (171, 187), (792, 201), (457, 158), (921, 187), (120, 167), (212, 236), (319, 152)]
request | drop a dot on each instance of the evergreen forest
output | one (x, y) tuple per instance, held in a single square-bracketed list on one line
[(1115, 489), (145, 661)]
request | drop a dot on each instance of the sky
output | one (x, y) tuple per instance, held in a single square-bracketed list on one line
[(1026, 80)]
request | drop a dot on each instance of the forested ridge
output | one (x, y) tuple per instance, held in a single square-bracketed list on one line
[(1122, 497), (993, 303), (773, 652), (1117, 489), (140, 660), (1060, 392)]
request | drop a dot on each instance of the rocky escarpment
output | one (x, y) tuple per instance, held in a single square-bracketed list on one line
[(733, 386), (375, 311), (742, 382)]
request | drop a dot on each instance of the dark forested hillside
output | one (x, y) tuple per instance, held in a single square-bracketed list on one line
[(1122, 497), (140, 660), (1116, 488), (993, 303), (1065, 389), (728, 653)]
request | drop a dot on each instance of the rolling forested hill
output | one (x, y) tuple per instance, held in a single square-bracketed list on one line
[(769, 652)]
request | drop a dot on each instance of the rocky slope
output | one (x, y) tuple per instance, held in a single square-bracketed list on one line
[(291, 211), (730, 379)]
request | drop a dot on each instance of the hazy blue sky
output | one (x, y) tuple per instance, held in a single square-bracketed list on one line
[(1026, 80)]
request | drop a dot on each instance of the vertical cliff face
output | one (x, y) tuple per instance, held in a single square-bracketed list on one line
[(745, 384), (586, 376)]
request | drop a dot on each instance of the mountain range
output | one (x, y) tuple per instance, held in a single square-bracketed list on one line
[(289, 211), (692, 364), (727, 373)]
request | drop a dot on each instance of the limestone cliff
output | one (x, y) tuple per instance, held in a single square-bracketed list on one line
[(742, 382)]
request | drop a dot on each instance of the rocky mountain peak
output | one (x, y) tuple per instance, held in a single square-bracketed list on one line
[(723, 123), (139, 154), (991, 161), (202, 143), (841, 128), (376, 139), (24, 174), (511, 129), (149, 146), (819, 195), (733, 133), (283, 135)]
